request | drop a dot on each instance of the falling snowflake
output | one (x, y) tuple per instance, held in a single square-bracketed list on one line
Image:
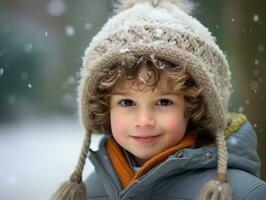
[(256, 18), (46, 34), (70, 31), (241, 109), (56, 7), (233, 141), (27, 48), (88, 26), (70, 81), (29, 85), (1, 72), (256, 62)]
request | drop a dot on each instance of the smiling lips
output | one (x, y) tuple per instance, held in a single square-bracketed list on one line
[(145, 139)]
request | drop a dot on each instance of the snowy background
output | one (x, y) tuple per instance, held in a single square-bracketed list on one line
[(41, 47), (36, 155)]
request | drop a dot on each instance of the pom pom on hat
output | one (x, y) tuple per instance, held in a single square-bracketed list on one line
[(184, 5)]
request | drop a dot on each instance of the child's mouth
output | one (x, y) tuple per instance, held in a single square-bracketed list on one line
[(145, 139)]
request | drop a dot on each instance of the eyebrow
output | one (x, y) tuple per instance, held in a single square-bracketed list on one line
[(157, 93), (121, 93)]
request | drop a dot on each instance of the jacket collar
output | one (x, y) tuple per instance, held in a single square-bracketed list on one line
[(122, 167)]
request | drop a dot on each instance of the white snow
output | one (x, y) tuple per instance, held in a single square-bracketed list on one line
[(1, 72), (37, 155), (56, 7), (256, 62), (88, 26), (70, 31), (29, 85), (256, 18), (70, 81), (158, 32), (241, 109), (233, 140), (27, 48)]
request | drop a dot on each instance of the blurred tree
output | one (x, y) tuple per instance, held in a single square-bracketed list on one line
[(244, 25), (18, 75)]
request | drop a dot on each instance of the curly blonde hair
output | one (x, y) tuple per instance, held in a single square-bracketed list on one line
[(179, 80)]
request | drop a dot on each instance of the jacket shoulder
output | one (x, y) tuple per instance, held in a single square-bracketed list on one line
[(246, 186), (94, 188)]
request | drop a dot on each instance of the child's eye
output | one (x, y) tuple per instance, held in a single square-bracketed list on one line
[(164, 102), (126, 103)]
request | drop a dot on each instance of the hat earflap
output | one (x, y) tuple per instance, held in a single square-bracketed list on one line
[(74, 188), (219, 188)]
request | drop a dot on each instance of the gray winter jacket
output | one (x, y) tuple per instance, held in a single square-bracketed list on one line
[(183, 174)]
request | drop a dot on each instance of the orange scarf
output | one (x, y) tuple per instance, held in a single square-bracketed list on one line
[(121, 165)]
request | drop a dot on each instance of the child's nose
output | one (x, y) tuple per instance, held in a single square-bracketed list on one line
[(145, 119)]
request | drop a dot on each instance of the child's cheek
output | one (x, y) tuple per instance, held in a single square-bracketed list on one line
[(175, 125), (118, 125)]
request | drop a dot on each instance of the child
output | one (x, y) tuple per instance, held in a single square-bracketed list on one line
[(156, 83)]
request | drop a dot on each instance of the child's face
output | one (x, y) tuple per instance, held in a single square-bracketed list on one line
[(146, 122)]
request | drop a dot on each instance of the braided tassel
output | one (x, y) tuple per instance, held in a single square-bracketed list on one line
[(218, 189), (70, 190)]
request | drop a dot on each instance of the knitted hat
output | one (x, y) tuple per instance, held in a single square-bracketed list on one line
[(164, 28)]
